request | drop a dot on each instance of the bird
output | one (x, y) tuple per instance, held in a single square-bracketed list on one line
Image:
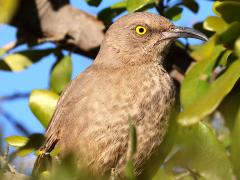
[(126, 79)]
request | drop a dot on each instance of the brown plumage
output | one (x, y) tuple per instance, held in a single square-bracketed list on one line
[(126, 79)]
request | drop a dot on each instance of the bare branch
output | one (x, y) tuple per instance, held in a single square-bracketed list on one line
[(59, 22), (14, 97), (14, 122), (6, 153), (10, 46)]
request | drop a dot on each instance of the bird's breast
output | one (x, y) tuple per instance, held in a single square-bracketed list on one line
[(97, 116)]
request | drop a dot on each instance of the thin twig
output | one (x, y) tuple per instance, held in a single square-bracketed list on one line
[(11, 45), (6, 153), (14, 96), (14, 122), (175, 74)]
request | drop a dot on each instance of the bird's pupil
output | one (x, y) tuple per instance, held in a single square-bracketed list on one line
[(141, 30)]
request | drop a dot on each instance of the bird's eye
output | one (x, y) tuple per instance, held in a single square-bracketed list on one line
[(141, 30)]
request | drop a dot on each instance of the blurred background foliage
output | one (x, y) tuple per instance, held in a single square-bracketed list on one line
[(202, 141)]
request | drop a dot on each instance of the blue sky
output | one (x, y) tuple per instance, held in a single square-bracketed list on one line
[(37, 76)]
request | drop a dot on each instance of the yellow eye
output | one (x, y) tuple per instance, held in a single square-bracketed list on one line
[(141, 30)]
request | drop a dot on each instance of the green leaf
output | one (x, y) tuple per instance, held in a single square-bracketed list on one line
[(199, 26), (229, 36), (196, 83), (191, 5), (229, 109), (61, 74), (2, 52), (43, 103), (22, 59), (216, 4), (45, 175), (129, 170), (237, 47), (161, 174), (214, 23), (93, 2), (174, 13), (133, 5), (34, 143), (106, 15), (229, 10), (200, 152), (235, 147), (55, 152), (225, 58), (7, 10), (207, 103), (204, 51), (17, 141)]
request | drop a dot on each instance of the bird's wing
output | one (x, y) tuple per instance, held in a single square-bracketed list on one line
[(53, 129), (65, 106)]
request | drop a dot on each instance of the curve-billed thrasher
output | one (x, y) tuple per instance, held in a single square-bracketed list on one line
[(126, 79)]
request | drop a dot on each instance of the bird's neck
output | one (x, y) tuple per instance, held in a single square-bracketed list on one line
[(113, 59)]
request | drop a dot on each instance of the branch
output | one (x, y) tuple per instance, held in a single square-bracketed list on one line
[(59, 22), (10, 172), (72, 29), (14, 97), (14, 122)]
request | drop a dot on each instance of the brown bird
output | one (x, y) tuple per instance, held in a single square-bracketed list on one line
[(126, 79)]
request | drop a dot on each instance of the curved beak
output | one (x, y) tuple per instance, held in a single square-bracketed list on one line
[(179, 32)]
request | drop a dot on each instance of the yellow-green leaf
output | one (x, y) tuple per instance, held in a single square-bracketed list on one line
[(214, 23), (216, 4), (195, 84), (209, 101), (45, 175), (129, 170), (121, 4), (7, 10), (17, 141), (230, 35), (43, 103), (200, 151), (34, 143), (133, 5), (21, 60), (204, 51), (237, 47), (55, 151), (191, 5), (2, 52), (229, 108), (93, 2), (61, 74), (174, 13), (229, 10), (108, 14), (235, 147), (162, 175)]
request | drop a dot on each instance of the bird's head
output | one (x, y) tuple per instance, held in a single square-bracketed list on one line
[(140, 38)]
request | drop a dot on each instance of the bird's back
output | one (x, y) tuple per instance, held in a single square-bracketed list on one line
[(92, 116)]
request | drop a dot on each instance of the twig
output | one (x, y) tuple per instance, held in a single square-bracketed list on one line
[(175, 74), (6, 153), (113, 174), (216, 72), (14, 96), (11, 45), (14, 122)]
